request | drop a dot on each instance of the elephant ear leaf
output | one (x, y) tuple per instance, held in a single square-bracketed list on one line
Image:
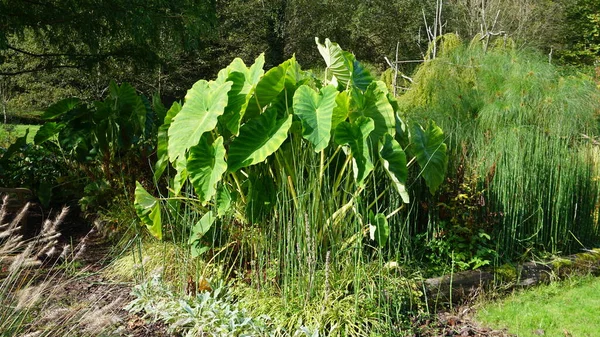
[(344, 66), (336, 61), (377, 107), (258, 139), (198, 230), (430, 150), (47, 131), (163, 140), (147, 209), (267, 89), (379, 229), (355, 136), (60, 108), (206, 165), (204, 103), (393, 159), (315, 110)]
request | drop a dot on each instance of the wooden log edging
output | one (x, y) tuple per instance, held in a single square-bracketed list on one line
[(466, 285)]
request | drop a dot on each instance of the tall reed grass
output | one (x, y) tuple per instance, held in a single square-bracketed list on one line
[(526, 132)]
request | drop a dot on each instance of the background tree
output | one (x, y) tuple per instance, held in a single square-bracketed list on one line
[(530, 23), (582, 32), (86, 43)]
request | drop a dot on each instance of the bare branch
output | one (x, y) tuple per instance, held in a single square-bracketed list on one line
[(34, 70)]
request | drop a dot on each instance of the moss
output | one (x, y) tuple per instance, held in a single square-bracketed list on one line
[(584, 262), (562, 266), (506, 273)]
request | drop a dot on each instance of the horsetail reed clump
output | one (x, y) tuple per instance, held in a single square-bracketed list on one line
[(527, 133)]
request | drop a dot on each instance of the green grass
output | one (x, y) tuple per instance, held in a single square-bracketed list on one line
[(567, 308), (13, 131)]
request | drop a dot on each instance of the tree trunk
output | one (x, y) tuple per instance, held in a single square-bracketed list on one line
[(464, 286)]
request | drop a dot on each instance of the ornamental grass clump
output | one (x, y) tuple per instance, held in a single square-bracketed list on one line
[(32, 273), (526, 132)]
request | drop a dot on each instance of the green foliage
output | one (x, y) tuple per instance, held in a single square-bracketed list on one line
[(582, 33), (430, 150), (258, 139), (204, 103), (315, 110), (206, 164), (105, 139), (514, 123), (391, 152), (39, 168), (147, 209), (274, 112), (380, 230), (213, 313), (355, 135)]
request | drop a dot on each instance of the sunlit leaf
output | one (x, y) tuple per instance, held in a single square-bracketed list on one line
[(430, 150), (258, 139), (394, 162), (379, 229), (162, 150), (204, 103), (315, 111), (355, 136), (198, 230), (147, 209), (61, 107), (205, 166), (47, 131)]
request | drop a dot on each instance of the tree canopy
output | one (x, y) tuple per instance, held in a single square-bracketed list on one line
[(73, 33)]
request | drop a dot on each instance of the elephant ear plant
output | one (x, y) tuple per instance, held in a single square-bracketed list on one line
[(233, 139), (105, 139)]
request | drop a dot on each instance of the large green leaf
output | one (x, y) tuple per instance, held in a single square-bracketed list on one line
[(47, 131), (147, 209), (256, 71), (206, 165), (198, 230), (393, 159), (127, 106), (181, 176), (341, 110), (377, 107), (295, 76), (355, 135), (205, 102), (315, 111), (244, 80), (223, 200), (258, 139), (237, 102), (344, 66), (430, 150), (361, 78), (336, 61), (251, 74), (61, 107), (162, 149), (268, 88), (379, 229)]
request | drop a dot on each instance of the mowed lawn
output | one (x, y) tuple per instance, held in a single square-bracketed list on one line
[(567, 308), (18, 130)]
